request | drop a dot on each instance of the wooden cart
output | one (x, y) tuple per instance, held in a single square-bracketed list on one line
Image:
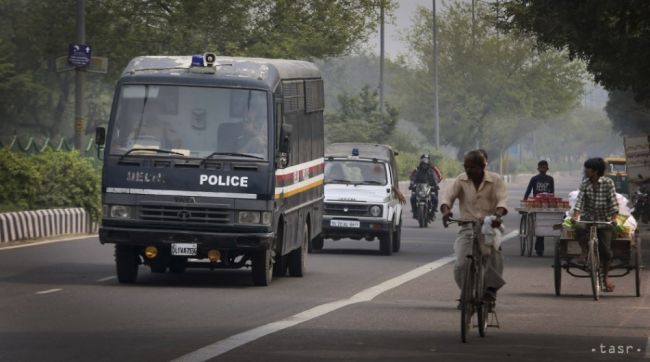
[(572, 256), (537, 222)]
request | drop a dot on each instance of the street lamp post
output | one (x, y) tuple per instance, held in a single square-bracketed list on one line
[(435, 76), (80, 80)]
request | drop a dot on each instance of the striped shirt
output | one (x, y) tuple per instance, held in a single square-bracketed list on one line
[(597, 203)]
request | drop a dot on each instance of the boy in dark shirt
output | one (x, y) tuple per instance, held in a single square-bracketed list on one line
[(538, 184)]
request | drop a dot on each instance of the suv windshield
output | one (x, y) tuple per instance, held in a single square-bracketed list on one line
[(357, 172), (190, 121)]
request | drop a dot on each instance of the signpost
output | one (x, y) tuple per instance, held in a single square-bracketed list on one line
[(79, 54)]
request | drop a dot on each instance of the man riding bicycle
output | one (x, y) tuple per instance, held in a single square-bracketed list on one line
[(597, 202), (480, 193)]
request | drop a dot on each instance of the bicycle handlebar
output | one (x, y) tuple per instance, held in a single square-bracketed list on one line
[(458, 221), (587, 222)]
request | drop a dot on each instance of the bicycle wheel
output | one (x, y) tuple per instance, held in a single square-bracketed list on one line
[(522, 234), (637, 266), (482, 305), (466, 301), (530, 234), (594, 268), (557, 268)]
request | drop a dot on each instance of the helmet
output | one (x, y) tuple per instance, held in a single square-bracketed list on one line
[(425, 159)]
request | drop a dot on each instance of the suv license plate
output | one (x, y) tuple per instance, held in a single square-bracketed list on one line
[(184, 249), (345, 223)]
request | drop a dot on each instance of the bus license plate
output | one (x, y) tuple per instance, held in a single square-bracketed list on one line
[(184, 249), (345, 223)]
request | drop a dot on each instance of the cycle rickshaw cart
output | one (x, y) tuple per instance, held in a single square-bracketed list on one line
[(536, 222), (580, 259)]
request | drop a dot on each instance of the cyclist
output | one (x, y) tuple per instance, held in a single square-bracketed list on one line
[(480, 193), (597, 202)]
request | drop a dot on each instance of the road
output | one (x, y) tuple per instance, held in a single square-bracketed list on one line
[(61, 302)]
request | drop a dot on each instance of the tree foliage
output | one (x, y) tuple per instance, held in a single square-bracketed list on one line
[(611, 36), (34, 33), (360, 119), (493, 87)]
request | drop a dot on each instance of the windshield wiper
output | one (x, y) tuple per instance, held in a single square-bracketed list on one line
[(237, 154), (339, 181), (373, 182), (157, 150)]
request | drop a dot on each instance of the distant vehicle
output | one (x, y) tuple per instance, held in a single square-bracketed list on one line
[(361, 195), (425, 212), (617, 171), (213, 162)]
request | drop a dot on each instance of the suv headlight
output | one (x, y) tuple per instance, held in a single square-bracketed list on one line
[(375, 211), (121, 212), (254, 217)]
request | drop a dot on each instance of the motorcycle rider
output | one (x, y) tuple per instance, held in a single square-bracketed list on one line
[(424, 173)]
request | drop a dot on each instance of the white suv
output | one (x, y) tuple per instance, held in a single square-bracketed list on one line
[(361, 195)]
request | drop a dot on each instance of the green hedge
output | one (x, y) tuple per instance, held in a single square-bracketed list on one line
[(48, 180)]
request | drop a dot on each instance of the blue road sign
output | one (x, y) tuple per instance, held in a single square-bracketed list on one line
[(79, 54)]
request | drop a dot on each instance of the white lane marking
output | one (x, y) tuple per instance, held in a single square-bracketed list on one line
[(47, 242), (225, 345), (220, 347), (106, 278), (49, 291)]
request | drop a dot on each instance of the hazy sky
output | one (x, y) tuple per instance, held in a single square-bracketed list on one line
[(394, 45)]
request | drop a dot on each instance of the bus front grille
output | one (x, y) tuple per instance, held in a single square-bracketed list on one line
[(175, 214)]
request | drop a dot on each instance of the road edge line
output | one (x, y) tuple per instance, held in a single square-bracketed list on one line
[(225, 345), (44, 242)]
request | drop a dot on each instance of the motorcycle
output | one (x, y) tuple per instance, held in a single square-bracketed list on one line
[(641, 202), (424, 212)]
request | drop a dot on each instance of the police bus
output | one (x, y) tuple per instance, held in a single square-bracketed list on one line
[(213, 162)]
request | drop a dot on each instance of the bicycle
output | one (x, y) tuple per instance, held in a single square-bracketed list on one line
[(592, 264), (472, 297)]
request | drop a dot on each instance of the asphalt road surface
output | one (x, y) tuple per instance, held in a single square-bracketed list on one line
[(61, 302)]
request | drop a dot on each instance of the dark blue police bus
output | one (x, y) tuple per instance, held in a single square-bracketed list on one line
[(213, 162)]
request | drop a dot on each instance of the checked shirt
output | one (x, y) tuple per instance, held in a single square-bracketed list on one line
[(597, 203)]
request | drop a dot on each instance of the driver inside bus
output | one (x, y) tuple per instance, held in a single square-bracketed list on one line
[(253, 138)]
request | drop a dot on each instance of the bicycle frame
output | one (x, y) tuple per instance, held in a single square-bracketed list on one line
[(593, 258), (473, 289)]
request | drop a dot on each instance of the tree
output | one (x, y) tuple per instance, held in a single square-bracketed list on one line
[(34, 33), (611, 36), (360, 119), (628, 116), (494, 87)]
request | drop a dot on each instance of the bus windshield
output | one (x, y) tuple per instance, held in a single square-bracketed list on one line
[(190, 121)]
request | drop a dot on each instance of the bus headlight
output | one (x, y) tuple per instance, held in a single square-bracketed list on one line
[(255, 217), (249, 217), (120, 212), (375, 211)]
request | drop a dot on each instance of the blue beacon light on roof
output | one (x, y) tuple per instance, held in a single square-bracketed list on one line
[(197, 60)]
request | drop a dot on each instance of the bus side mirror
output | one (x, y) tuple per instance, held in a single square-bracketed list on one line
[(285, 145), (100, 136), (100, 140), (285, 138)]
